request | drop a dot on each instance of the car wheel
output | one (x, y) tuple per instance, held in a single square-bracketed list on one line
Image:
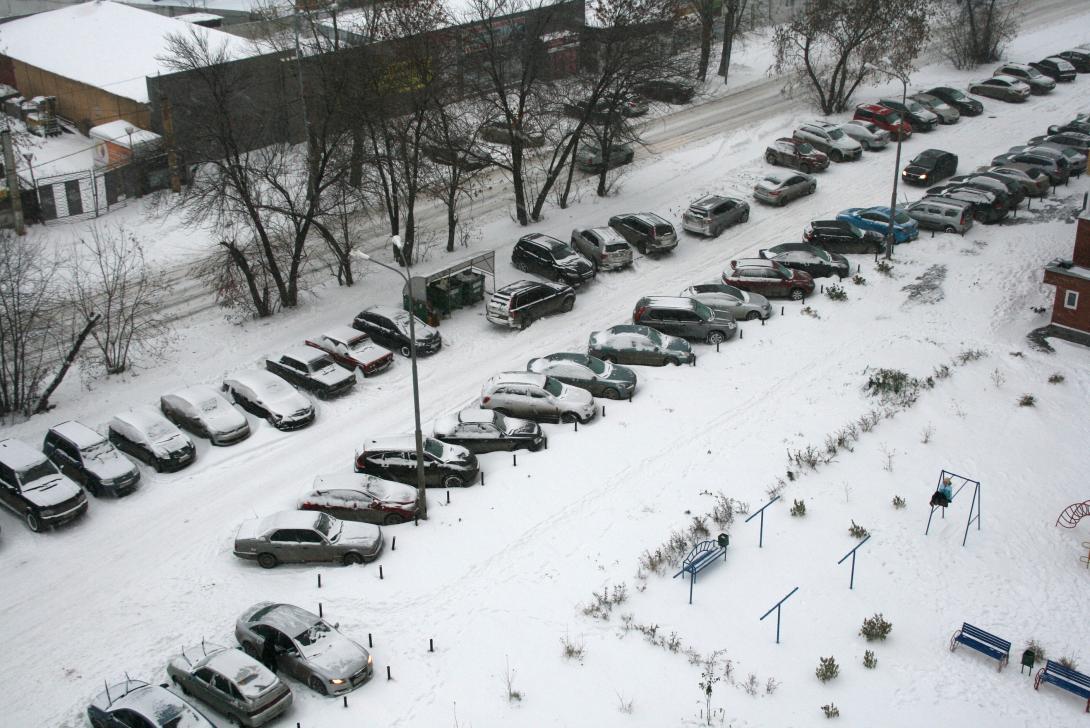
[(569, 417), (393, 519), (836, 155), (812, 189), (406, 351), (267, 561), (672, 360), (352, 558), (520, 265), (753, 316), (716, 337), (745, 217), (609, 358), (568, 305), (249, 649), (949, 229), (33, 522), (797, 294), (183, 688), (317, 685), (782, 201), (93, 488), (611, 393), (453, 481)]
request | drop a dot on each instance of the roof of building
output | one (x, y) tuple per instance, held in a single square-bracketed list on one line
[(1067, 268), (123, 134), (104, 44)]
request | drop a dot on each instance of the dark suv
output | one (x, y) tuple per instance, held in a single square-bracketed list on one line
[(929, 166), (840, 236), (648, 232), (517, 305), (34, 490), (916, 113), (552, 258), (684, 317), (389, 327), (768, 278), (90, 459), (394, 458), (671, 92)]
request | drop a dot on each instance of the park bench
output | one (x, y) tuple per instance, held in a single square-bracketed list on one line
[(702, 556), (1064, 677), (982, 641)]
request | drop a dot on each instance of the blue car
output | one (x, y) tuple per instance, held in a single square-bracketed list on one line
[(877, 219)]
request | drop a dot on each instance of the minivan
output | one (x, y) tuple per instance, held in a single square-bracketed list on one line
[(942, 213)]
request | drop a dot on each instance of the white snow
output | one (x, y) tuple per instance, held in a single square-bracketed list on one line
[(123, 134)]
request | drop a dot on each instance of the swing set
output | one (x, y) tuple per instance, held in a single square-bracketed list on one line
[(974, 507)]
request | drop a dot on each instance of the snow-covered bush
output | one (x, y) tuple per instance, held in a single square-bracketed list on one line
[(1027, 400), (1056, 379), (885, 268), (869, 660), (798, 509), (858, 531), (827, 669), (836, 293), (875, 628), (831, 711), (859, 280), (898, 502)]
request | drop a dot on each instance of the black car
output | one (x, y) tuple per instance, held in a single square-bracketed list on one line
[(917, 114), (1078, 58), (1079, 126), (461, 154), (930, 166), (815, 260), (517, 305), (646, 231), (840, 236), (90, 459), (1075, 140), (34, 490), (988, 208), (389, 327), (313, 370), (1058, 69), (957, 98), (552, 258), (670, 92), (483, 430), (1014, 190), (394, 458), (146, 435)]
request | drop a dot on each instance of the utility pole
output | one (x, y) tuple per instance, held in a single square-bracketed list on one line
[(172, 153), (13, 182)]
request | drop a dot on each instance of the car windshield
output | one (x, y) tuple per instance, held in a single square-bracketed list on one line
[(901, 218), (892, 118), (160, 429), (313, 634), (835, 133), (955, 94), (913, 105), (97, 451), (654, 337), (805, 148), (703, 311), (210, 405), (596, 365), (323, 524), (553, 387), (433, 447), (1033, 72), (36, 472)]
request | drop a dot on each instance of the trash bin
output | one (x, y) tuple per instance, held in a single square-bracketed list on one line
[(472, 284), (445, 295)]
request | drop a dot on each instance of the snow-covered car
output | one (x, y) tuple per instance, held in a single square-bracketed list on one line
[(307, 647), (636, 344), (686, 318), (1035, 182), (313, 370), (361, 497), (394, 458), (647, 232), (1055, 166), (769, 278), (146, 435), (230, 682), (483, 430), (390, 327), (818, 262), (269, 397), (135, 703), (867, 133), (966, 105), (1004, 88), (1073, 139), (1055, 68), (796, 154), (537, 397), (947, 114), (206, 413), (600, 378), (828, 137), (743, 305), (1038, 82), (877, 219), (592, 159), (779, 188), (712, 214), (90, 459), (917, 114), (840, 236), (33, 489), (353, 349), (306, 537), (1076, 159)]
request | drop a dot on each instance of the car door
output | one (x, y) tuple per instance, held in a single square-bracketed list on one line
[(687, 324), (284, 545), (66, 457), (9, 491), (539, 404), (314, 547), (658, 319), (207, 685)]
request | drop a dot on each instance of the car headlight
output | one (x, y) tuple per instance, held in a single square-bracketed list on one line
[(336, 681), (370, 659)]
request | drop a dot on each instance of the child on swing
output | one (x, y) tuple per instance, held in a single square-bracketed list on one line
[(944, 494)]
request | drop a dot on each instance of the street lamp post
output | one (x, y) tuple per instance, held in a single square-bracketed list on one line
[(897, 160), (421, 494)]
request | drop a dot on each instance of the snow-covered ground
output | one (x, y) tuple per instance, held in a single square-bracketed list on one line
[(500, 576)]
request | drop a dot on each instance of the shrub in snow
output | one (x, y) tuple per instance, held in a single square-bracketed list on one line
[(604, 601), (831, 711), (898, 502), (875, 628), (799, 509), (858, 531), (969, 355), (926, 434), (1056, 379), (885, 268), (827, 669), (859, 280), (572, 650), (771, 685), (812, 313), (869, 660), (751, 685), (870, 420), (941, 372), (775, 490), (1069, 662), (892, 384), (1027, 400), (835, 292)]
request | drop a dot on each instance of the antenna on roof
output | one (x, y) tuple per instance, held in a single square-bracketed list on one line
[(109, 700), (203, 648)]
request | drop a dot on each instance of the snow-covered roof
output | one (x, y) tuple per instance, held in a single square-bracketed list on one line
[(123, 134), (105, 44), (78, 434), (344, 333), (288, 519), (198, 17), (1067, 268), (518, 377), (17, 455)]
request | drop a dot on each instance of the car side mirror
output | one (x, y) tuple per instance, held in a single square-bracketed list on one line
[(336, 625)]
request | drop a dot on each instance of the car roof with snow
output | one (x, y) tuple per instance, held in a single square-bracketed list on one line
[(306, 354), (709, 201), (394, 442), (875, 108), (287, 519), (142, 417), (78, 434), (606, 233), (649, 218), (17, 455), (344, 333), (196, 393), (669, 301), (258, 380), (152, 701), (517, 287), (516, 377), (288, 618)]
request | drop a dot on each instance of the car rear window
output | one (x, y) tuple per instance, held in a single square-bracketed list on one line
[(698, 211), (663, 229), (615, 247)]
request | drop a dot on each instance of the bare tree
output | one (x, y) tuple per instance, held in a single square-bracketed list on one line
[(828, 44), (972, 32), (706, 12), (457, 159), (734, 24)]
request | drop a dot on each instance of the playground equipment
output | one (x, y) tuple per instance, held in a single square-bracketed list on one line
[(761, 512), (974, 507), (1073, 514), (1086, 559)]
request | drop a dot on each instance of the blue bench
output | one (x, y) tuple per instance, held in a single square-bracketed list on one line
[(982, 641), (1064, 677), (701, 557)]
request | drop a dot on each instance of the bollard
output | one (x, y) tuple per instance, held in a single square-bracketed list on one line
[(388, 676), (482, 477), (319, 581), (782, 309), (717, 347), (576, 424), (448, 497), (603, 412), (320, 608), (545, 443), (369, 642), (393, 545), (741, 333), (822, 288), (932, 234), (858, 267), (431, 645), (379, 576), (630, 397), (416, 521), (514, 460), (346, 701)]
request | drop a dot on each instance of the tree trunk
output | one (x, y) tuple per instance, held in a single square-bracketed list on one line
[(706, 23), (43, 401), (519, 184), (261, 303), (729, 24)]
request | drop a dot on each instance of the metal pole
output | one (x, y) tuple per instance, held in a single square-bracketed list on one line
[(778, 622), (421, 496), (896, 175), (851, 582), (761, 538)]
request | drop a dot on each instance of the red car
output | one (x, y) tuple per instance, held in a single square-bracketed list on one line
[(353, 349), (357, 497), (769, 278), (796, 154), (884, 118)]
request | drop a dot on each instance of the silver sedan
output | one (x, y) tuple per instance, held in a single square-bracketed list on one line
[(743, 305), (231, 682), (779, 188), (306, 537)]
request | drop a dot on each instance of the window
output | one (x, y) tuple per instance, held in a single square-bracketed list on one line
[(1071, 299)]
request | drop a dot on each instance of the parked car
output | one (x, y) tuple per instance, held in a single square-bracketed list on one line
[(230, 682), (484, 430), (828, 138), (742, 305), (390, 327), (537, 397), (877, 219), (868, 134), (551, 258), (498, 132), (686, 318), (966, 105), (1055, 68), (841, 236), (604, 247), (884, 118), (769, 278), (670, 92), (778, 188), (361, 497), (1073, 139), (816, 261), (136, 703), (1078, 58), (929, 166), (1076, 160), (206, 413), (946, 113), (146, 435), (303, 537), (521, 303), (1011, 194), (34, 489), (712, 214), (1080, 126), (600, 378), (633, 344), (591, 158), (394, 458), (313, 370), (308, 648), (269, 397), (987, 206), (1034, 182), (917, 115), (1004, 88), (648, 232), (1038, 82), (800, 155), (90, 459), (461, 154), (940, 213), (1056, 167), (353, 349)]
